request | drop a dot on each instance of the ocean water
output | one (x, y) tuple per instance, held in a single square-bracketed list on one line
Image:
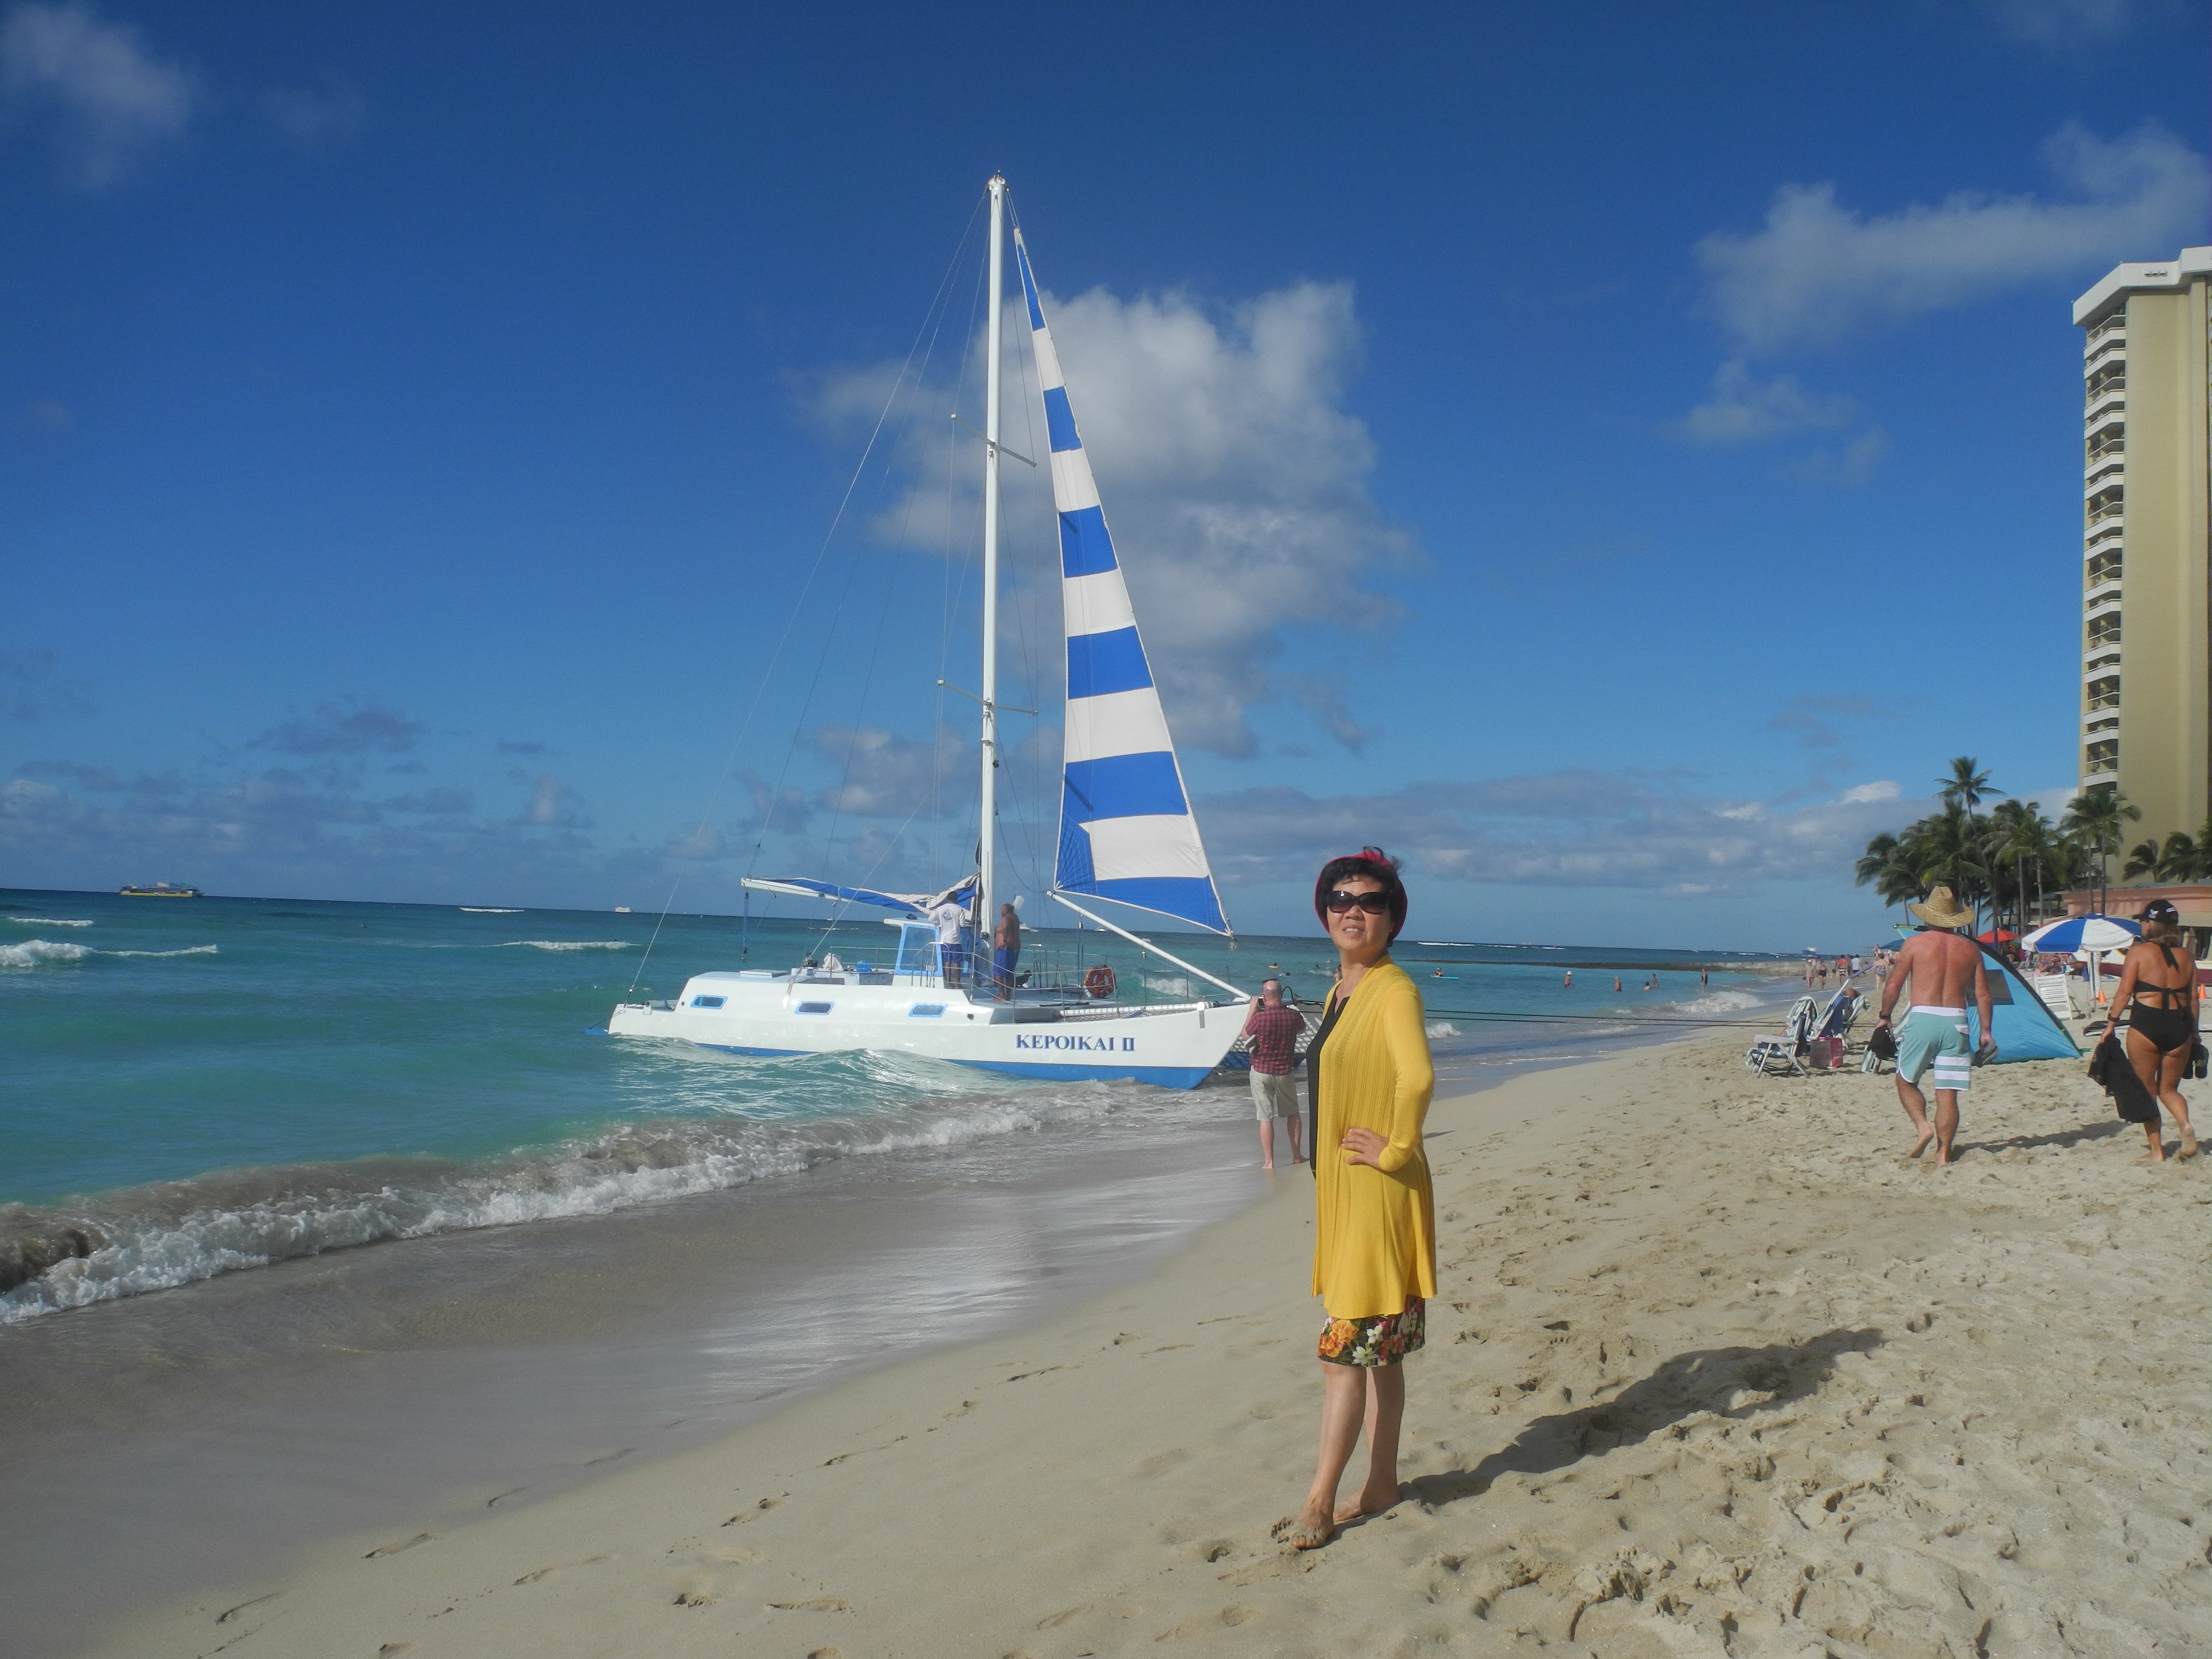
[(202, 1087)]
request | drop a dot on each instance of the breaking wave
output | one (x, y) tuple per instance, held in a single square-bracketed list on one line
[(45, 922), (32, 952), (1441, 1028), (141, 1239), (1718, 1002), (573, 943)]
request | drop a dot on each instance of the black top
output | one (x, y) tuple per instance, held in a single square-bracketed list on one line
[(2169, 996), (1336, 1001)]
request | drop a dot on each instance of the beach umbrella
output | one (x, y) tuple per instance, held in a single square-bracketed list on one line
[(2000, 936), (2084, 933)]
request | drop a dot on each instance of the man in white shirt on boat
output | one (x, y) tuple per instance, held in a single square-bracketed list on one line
[(952, 919)]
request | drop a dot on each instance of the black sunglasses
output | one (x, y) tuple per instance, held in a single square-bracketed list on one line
[(1374, 903)]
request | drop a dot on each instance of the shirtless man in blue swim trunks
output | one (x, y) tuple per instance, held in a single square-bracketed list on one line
[(1945, 968)]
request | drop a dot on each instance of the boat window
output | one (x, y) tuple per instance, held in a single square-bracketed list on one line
[(813, 1007), (706, 1002), (925, 1011)]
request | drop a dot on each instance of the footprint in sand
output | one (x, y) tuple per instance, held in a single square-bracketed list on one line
[(607, 1457), (494, 1501), (404, 1544), (559, 1566), (228, 1614), (814, 1604)]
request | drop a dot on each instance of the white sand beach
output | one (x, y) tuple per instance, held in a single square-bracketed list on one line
[(1711, 1370)]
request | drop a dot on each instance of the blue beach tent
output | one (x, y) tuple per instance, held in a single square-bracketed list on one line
[(2024, 1028)]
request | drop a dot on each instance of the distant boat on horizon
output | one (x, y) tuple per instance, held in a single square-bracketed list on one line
[(159, 889), (621, 909)]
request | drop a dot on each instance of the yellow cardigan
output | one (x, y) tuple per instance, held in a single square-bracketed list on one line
[(1375, 1234)]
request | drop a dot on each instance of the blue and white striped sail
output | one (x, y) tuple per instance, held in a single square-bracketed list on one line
[(1125, 829)]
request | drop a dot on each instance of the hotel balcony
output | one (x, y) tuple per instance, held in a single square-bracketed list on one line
[(2103, 756), (2096, 777), (2095, 727), (2105, 596), (2099, 447), (2094, 666), (2099, 510), (2105, 403), (2103, 693), (2112, 348), (2110, 475), (2103, 566), (2115, 324), (2103, 631)]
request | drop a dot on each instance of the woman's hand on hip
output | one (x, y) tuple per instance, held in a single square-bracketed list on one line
[(1364, 1146)]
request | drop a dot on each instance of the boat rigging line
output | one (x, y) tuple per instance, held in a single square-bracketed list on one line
[(798, 601)]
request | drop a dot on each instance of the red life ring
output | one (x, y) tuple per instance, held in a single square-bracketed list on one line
[(1099, 981)]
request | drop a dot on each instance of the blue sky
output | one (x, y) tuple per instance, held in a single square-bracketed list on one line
[(1540, 439)]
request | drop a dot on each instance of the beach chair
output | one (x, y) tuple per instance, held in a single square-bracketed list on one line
[(1786, 1050), (2057, 994)]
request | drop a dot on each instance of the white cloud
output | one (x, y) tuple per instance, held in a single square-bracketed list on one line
[(1745, 409), (553, 803), (1576, 827), (111, 98), (881, 774), (1860, 793), (1235, 481), (1854, 464), (1819, 270)]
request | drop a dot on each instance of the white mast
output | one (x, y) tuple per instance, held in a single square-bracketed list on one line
[(986, 913)]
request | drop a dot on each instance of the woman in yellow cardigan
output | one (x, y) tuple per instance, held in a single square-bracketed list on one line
[(1369, 1077)]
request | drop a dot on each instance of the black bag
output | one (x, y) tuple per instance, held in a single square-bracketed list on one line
[(2198, 1060), (2108, 1069), (1882, 1045)]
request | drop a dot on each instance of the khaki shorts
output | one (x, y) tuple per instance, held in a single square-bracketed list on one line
[(1274, 1093)]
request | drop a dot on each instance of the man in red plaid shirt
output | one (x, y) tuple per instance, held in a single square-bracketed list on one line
[(1274, 1030)]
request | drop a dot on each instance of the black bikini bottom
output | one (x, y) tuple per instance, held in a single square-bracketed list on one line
[(2164, 1029)]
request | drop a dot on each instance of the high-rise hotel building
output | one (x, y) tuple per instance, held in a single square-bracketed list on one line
[(2146, 542)]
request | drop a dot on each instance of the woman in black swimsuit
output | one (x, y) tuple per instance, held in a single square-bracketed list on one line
[(2158, 990)]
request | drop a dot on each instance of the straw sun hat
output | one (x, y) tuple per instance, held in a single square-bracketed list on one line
[(1941, 910)]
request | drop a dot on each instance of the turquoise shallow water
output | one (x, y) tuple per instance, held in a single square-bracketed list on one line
[(198, 1086)]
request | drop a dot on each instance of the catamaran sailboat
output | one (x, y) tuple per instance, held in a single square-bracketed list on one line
[(1128, 836)]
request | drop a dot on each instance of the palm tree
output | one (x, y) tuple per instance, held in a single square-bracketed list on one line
[(1967, 786), (2019, 835), (2142, 860), (2093, 821), (1948, 852), (1888, 866)]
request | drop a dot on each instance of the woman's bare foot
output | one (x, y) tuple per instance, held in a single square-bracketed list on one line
[(1921, 1144), (1367, 1505), (2188, 1143), (1304, 1531), (1269, 1164), (2158, 1156)]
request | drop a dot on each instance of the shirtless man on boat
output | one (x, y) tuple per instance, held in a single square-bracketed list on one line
[(1945, 968)]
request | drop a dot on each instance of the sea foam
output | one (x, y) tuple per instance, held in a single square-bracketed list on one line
[(45, 922), (572, 944), (140, 1239), (33, 952)]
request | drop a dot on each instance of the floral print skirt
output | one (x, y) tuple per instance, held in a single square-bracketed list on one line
[(1381, 1339)]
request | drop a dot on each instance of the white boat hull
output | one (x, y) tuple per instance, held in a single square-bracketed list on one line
[(759, 1014)]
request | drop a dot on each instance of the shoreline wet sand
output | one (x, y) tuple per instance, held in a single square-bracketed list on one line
[(1712, 1369)]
